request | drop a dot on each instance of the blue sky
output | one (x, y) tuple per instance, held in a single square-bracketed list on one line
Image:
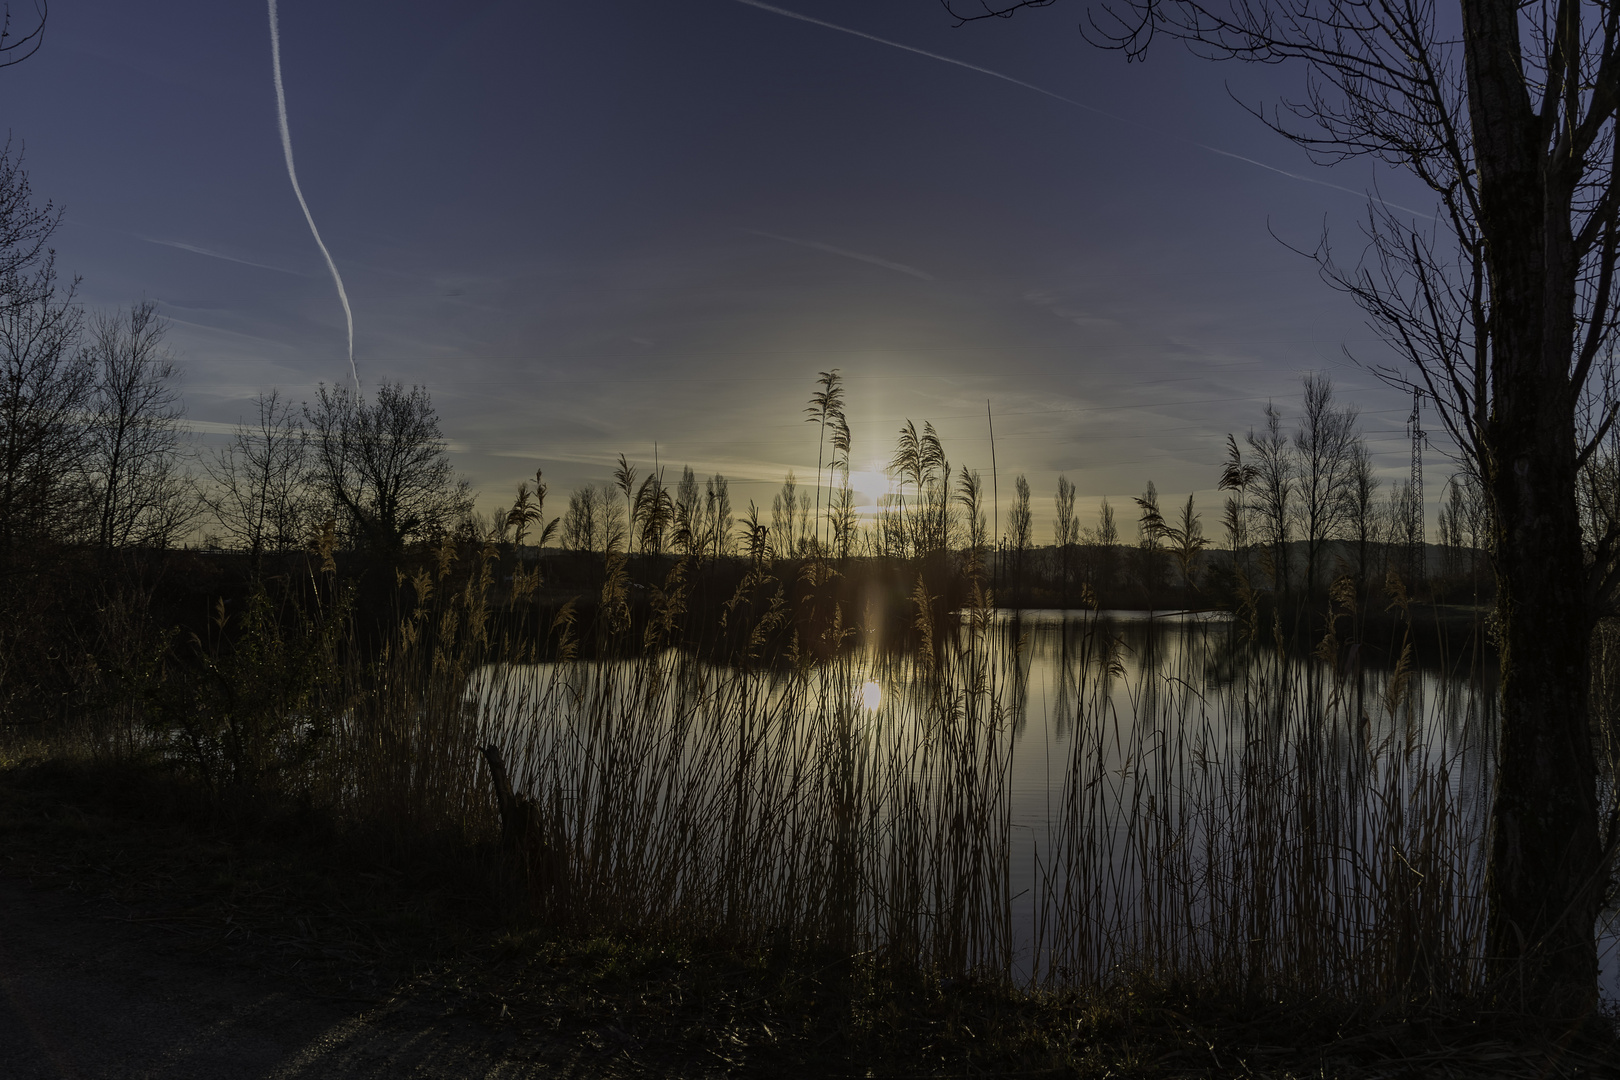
[(592, 228)]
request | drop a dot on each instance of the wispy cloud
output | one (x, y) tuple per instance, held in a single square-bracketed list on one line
[(773, 9), (273, 345), (210, 427), (198, 250), (816, 245)]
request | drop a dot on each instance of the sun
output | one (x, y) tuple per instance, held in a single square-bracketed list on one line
[(871, 483)]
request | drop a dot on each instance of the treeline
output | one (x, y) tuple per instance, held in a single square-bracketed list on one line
[(1303, 507)]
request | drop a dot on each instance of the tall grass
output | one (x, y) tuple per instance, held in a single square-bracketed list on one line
[(1287, 832), (766, 803), (1223, 814)]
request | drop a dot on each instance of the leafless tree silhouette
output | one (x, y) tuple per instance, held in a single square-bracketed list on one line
[(139, 488), (46, 384), (1322, 447), (255, 491), (25, 228), (381, 466)]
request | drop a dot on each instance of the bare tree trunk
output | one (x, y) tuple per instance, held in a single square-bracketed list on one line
[(1545, 854)]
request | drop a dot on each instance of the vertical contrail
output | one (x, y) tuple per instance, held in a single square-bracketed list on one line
[(292, 174)]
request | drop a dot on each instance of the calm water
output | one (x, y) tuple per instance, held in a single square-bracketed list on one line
[(1448, 709), (1123, 750)]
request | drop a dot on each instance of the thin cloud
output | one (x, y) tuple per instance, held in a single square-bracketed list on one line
[(784, 12), (196, 250), (210, 427), (816, 245), (258, 339)]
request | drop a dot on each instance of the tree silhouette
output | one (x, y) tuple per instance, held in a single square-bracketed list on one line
[(381, 466), (256, 492), (141, 495)]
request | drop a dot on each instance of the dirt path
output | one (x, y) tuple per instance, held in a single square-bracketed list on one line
[(88, 991)]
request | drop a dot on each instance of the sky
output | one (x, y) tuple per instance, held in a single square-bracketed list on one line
[(644, 227)]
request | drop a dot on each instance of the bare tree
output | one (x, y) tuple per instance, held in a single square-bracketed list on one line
[(1273, 489), (1322, 452), (1402, 513), (687, 518), (594, 521), (717, 519), (1361, 525), (25, 229), (784, 505), (1463, 525), (1020, 532), (46, 383), (255, 493), (1065, 532), (381, 466), (138, 486), (1104, 545), (579, 520)]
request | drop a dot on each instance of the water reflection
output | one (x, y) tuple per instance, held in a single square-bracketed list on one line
[(1052, 794)]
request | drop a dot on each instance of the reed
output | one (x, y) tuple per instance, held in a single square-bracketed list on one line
[(1230, 816), (767, 804), (1286, 833)]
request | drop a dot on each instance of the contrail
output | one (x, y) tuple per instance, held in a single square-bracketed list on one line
[(196, 250), (774, 10), (848, 254), (292, 174)]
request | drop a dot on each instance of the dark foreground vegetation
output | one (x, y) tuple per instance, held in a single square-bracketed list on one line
[(302, 899)]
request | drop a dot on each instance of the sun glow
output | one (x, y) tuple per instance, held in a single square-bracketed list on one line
[(871, 696), (873, 484)]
